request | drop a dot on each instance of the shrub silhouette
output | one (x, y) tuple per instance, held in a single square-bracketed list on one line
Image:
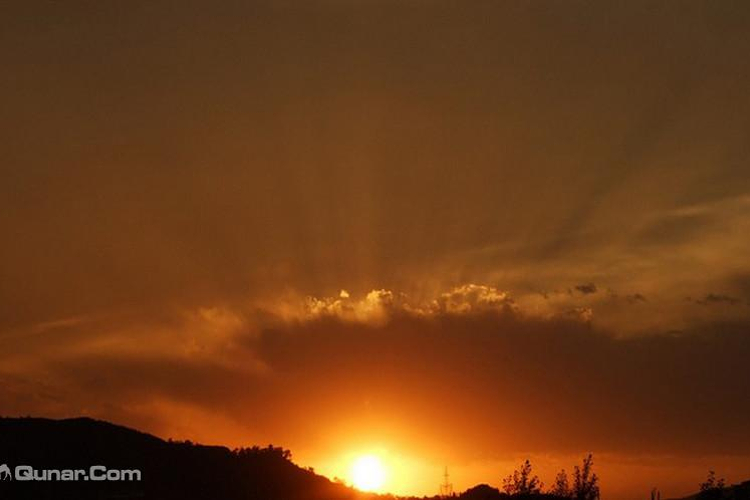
[(521, 482), (712, 488), (585, 481), (561, 488)]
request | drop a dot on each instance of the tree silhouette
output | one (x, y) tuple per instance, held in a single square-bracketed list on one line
[(561, 488), (521, 482), (270, 451), (711, 488), (585, 481)]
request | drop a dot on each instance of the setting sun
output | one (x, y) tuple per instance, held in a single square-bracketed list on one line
[(368, 473)]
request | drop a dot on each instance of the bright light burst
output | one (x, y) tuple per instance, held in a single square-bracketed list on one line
[(368, 473)]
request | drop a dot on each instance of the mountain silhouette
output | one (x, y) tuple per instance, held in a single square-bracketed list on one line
[(169, 470)]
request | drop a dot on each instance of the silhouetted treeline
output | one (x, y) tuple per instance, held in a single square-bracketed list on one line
[(523, 484)]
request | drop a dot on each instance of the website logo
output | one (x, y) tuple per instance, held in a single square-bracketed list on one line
[(93, 473)]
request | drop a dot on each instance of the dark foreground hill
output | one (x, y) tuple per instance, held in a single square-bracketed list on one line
[(739, 491), (169, 470)]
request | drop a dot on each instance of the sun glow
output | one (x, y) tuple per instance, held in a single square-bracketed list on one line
[(368, 473)]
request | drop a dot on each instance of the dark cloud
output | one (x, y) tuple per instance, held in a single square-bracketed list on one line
[(504, 369), (587, 288), (717, 298), (558, 384), (635, 298)]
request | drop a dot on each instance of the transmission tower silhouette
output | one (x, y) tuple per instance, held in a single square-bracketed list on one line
[(446, 489)]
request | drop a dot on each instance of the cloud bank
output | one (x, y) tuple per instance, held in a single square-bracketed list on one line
[(505, 380)]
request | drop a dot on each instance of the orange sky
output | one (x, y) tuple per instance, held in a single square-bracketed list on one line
[(447, 233)]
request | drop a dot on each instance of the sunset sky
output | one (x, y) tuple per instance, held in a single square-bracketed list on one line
[(436, 233)]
